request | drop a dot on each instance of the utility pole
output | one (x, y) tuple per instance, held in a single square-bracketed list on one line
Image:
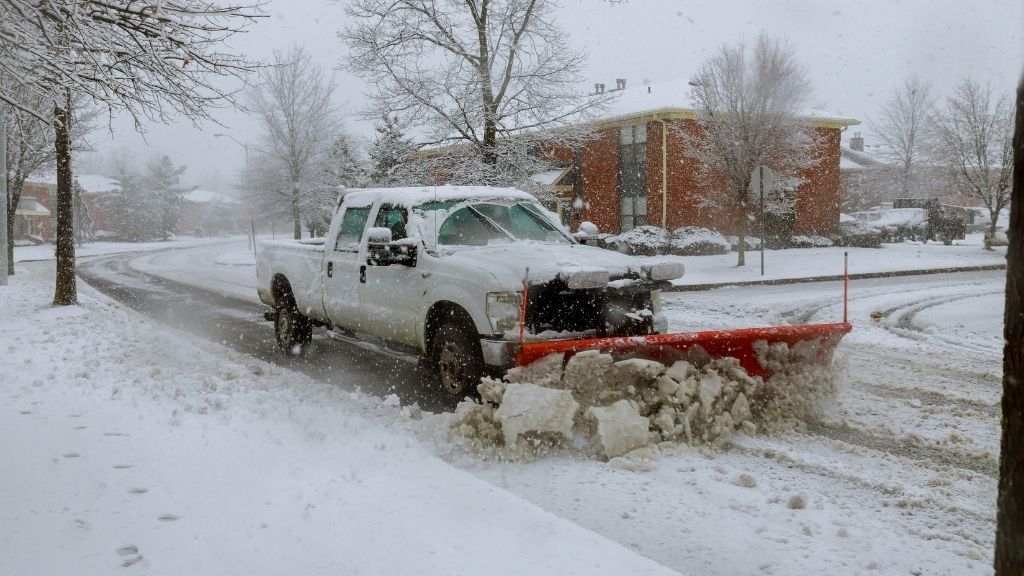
[(3, 197)]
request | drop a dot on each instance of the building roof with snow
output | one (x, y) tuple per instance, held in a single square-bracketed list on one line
[(670, 99), (97, 184), (199, 196), (29, 206)]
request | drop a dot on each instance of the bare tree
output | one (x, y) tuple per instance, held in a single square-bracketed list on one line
[(294, 103), (154, 60), (973, 138), (901, 126), (484, 78), (749, 104), (1009, 555)]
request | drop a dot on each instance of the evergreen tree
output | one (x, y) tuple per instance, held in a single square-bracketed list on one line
[(390, 151), (339, 167), (148, 206)]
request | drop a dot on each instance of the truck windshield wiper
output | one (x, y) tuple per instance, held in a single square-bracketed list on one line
[(491, 222)]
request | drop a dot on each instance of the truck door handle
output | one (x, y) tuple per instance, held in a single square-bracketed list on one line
[(362, 274), (330, 269)]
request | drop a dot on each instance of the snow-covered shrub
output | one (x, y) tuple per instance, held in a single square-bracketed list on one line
[(697, 241), (752, 243), (857, 234), (641, 241), (813, 241), (1000, 239)]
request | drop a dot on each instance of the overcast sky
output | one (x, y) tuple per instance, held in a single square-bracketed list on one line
[(855, 52)]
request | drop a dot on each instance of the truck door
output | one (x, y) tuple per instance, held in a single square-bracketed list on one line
[(391, 295), (342, 268)]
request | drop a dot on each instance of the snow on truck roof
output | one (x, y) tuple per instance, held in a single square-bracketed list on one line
[(414, 195)]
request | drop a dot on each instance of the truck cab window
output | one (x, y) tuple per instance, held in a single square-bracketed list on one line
[(352, 225), (393, 218)]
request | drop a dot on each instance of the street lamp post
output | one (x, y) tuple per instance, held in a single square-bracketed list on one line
[(236, 141)]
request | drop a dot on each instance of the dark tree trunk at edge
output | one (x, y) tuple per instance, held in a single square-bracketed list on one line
[(65, 292), (1009, 554)]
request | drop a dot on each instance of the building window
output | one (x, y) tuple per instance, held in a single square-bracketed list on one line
[(632, 176)]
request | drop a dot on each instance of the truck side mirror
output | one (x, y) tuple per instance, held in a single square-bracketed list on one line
[(378, 236), (378, 252)]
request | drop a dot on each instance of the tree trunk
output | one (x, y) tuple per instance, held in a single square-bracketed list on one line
[(1009, 554), (65, 292), (14, 197), (296, 219), (742, 248), (990, 238)]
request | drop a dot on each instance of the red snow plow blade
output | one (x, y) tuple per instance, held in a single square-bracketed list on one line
[(667, 348)]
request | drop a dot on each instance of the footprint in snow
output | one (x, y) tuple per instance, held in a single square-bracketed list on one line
[(131, 560), (123, 466), (168, 518), (24, 412), (81, 427), (138, 490), (114, 434), (70, 455)]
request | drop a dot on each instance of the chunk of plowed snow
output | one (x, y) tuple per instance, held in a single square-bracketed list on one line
[(620, 427), (533, 408)]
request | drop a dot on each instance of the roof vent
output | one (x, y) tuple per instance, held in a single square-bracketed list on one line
[(598, 88), (620, 83)]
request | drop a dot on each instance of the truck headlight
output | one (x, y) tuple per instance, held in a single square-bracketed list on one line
[(503, 310)]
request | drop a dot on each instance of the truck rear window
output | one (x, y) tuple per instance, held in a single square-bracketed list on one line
[(352, 225)]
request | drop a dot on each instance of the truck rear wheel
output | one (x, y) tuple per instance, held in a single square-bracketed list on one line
[(292, 330), (456, 356)]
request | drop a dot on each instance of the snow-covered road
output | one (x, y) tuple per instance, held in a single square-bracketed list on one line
[(898, 479)]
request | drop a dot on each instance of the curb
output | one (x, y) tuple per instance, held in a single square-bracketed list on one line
[(835, 277)]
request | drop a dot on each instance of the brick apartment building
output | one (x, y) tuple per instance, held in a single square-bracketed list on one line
[(635, 172)]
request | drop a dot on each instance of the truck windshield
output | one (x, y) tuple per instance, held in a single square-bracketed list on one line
[(485, 222)]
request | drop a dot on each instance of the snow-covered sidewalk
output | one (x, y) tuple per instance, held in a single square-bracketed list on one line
[(125, 444), (802, 263), (46, 251)]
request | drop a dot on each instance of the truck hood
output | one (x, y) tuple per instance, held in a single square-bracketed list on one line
[(578, 265)]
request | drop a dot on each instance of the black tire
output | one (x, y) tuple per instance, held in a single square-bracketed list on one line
[(292, 330), (457, 360)]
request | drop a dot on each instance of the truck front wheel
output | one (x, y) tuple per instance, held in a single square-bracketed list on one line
[(456, 356), (292, 330)]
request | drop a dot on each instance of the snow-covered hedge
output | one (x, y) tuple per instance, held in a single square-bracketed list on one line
[(812, 241), (641, 241), (857, 234), (697, 241)]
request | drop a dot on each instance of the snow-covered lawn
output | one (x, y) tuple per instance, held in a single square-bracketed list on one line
[(125, 444), (814, 262), (229, 269)]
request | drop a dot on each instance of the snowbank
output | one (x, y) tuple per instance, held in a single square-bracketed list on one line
[(608, 408)]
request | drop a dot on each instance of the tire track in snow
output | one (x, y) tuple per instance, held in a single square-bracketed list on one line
[(904, 448)]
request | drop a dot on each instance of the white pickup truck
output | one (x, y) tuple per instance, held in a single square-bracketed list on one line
[(442, 270)]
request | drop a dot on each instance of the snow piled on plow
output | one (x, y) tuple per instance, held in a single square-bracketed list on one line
[(607, 408)]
